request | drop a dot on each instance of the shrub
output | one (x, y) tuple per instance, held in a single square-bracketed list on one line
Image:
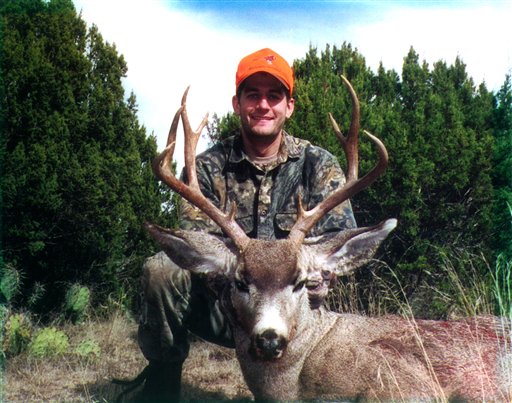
[(88, 349), (36, 295), (10, 281), (49, 342), (17, 334), (77, 302)]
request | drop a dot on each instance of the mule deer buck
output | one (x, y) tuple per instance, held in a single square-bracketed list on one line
[(289, 351)]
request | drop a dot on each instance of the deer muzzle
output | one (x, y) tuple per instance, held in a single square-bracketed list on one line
[(268, 345)]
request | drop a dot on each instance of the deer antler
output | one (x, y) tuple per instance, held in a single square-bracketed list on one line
[(191, 191), (307, 219)]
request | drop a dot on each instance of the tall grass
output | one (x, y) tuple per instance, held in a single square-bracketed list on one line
[(459, 284), (503, 297), (503, 281), (503, 286)]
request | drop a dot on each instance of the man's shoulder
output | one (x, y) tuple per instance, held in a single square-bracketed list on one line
[(297, 146), (218, 153)]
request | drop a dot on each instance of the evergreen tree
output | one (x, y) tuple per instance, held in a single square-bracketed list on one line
[(449, 164), (502, 172), (219, 128), (436, 126), (76, 181), (319, 91)]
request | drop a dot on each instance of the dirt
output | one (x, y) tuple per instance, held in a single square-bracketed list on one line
[(210, 373)]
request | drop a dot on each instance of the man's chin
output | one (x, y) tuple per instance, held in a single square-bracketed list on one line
[(264, 133)]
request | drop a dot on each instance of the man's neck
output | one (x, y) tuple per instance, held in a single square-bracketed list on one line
[(261, 147)]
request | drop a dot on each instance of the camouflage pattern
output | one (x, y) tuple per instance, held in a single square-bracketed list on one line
[(174, 301), (266, 196)]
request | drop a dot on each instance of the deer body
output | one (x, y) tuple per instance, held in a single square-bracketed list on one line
[(391, 358), (355, 357), (289, 351)]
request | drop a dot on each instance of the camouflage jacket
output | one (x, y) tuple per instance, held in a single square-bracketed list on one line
[(266, 197)]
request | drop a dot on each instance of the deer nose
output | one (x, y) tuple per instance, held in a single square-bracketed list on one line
[(269, 345)]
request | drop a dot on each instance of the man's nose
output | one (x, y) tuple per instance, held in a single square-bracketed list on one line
[(263, 103)]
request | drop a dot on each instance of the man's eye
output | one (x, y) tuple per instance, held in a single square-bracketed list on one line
[(241, 286), (299, 286)]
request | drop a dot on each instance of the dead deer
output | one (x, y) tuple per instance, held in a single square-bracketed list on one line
[(287, 350)]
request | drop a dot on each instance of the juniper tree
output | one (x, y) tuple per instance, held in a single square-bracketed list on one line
[(76, 181)]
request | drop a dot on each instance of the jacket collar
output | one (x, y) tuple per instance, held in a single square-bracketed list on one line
[(289, 148)]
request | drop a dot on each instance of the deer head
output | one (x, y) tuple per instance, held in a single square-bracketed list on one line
[(270, 282)]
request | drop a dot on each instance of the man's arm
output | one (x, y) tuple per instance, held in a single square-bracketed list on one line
[(326, 176), (212, 186)]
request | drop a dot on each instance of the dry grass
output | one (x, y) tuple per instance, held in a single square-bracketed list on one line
[(210, 373)]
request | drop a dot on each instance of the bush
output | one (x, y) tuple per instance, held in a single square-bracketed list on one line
[(10, 282), (17, 334), (77, 301), (49, 342), (88, 349)]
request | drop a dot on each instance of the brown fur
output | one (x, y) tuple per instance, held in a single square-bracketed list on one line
[(324, 355), (270, 264)]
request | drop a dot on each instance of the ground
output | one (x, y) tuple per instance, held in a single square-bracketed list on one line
[(210, 373)]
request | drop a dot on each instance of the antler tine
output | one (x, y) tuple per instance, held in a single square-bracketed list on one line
[(191, 140), (307, 219), (164, 159), (191, 191), (350, 142)]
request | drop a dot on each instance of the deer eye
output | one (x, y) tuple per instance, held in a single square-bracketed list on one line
[(241, 286), (299, 286)]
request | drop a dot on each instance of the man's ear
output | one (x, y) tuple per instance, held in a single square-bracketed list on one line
[(236, 104), (291, 107), (344, 252), (196, 251)]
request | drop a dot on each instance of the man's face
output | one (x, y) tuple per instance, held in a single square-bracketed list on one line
[(263, 106)]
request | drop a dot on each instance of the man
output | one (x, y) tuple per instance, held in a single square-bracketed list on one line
[(263, 169)]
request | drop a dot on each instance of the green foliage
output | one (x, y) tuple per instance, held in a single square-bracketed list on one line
[(76, 180), (49, 342), (220, 128), (10, 282), (89, 349), (503, 286), (466, 289), (17, 332), (36, 294), (502, 172), (319, 90), (77, 302), (437, 127)]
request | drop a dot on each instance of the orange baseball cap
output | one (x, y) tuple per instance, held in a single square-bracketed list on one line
[(268, 61)]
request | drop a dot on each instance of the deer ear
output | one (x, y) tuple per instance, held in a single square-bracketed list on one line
[(350, 249), (196, 251)]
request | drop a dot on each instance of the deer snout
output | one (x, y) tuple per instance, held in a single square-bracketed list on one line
[(268, 345)]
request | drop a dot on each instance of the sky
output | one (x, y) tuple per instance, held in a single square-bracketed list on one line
[(169, 45)]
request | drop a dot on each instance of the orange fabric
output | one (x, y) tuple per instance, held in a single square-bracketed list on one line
[(268, 61)]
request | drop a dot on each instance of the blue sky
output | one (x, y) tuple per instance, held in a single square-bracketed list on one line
[(171, 44)]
